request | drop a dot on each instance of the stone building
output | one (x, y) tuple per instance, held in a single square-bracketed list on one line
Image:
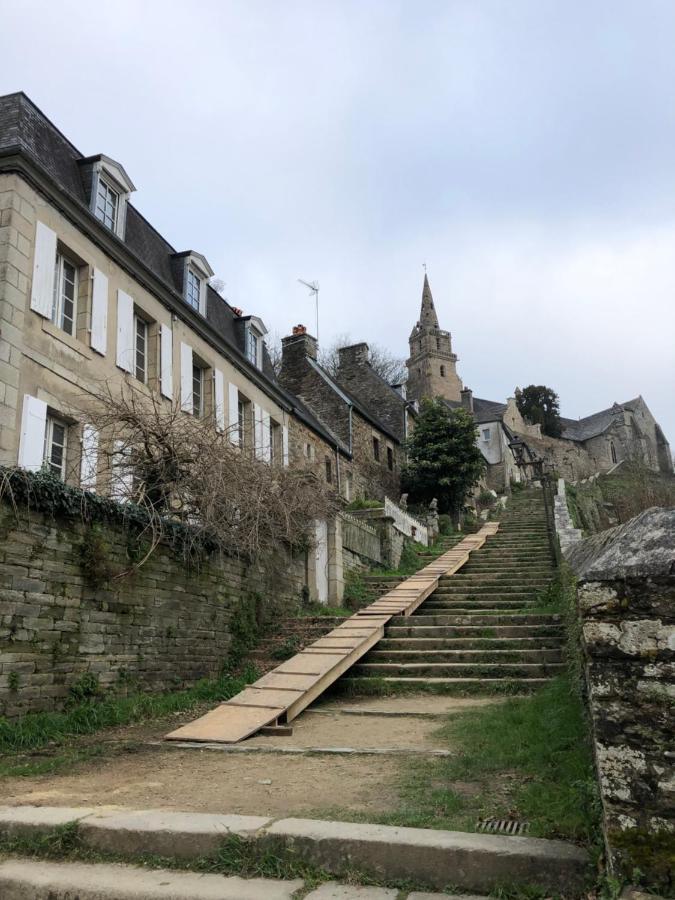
[(596, 443), (373, 440)]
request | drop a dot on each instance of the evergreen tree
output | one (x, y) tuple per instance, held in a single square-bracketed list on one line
[(443, 459), (540, 406)]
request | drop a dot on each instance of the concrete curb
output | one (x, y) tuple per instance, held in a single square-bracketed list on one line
[(435, 859)]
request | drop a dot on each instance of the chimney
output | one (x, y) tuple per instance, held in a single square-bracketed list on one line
[(467, 399), (354, 355), (295, 349)]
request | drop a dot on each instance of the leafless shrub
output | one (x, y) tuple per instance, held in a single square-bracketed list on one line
[(181, 469)]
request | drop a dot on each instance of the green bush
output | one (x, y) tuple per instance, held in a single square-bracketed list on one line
[(361, 503), (445, 525)]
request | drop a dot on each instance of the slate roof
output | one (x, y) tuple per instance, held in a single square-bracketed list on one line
[(26, 130), (593, 425), (483, 410)]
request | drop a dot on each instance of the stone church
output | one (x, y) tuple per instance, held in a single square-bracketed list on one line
[(596, 443)]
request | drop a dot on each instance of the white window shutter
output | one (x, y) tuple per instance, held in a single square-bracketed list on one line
[(219, 396), (284, 445), (266, 437), (166, 361), (99, 313), (125, 331), (32, 441), (89, 461), (44, 263), (186, 377), (233, 412)]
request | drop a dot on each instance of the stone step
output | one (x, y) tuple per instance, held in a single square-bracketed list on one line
[(475, 605), (426, 655), (477, 619), (420, 644), (489, 629), (485, 594), (457, 670)]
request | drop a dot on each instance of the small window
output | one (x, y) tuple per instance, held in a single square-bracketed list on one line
[(486, 434), (197, 391), (141, 348), (241, 421), (612, 450), (252, 346), (442, 371), (107, 204), (64, 306), (329, 470), (56, 436), (348, 486), (390, 459), (376, 448), (272, 440), (193, 290)]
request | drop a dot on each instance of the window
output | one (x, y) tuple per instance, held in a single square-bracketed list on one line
[(64, 306), (241, 422), (442, 371), (348, 486), (252, 346), (376, 448), (390, 459), (193, 290), (107, 204), (329, 470), (272, 439), (141, 348), (56, 434), (612, 450), (197, 391), (309, 451), (486, 434)]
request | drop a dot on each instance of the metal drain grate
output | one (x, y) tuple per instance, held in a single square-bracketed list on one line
[(502, 826)]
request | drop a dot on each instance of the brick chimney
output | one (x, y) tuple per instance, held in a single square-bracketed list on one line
[(467, 398), (295, 349)]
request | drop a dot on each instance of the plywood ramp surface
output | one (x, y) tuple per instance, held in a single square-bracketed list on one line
[(285, 691)]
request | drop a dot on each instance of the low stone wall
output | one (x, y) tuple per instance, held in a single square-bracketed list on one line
[(568, 535), (626, 600), (162, 627)]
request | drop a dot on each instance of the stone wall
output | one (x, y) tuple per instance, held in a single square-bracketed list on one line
[(161, 628), (626, 601)]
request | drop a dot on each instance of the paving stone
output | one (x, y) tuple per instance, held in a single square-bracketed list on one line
[(23, 879), (334, 891)]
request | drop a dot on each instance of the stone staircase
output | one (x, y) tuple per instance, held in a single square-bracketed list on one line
[(483, 627)]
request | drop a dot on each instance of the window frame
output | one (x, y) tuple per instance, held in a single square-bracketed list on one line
[(50, 423), (139, 320), (58, 311), (192, 280), (198, 411), (101, 214), (487, 434), (390, 458), (253, 340)]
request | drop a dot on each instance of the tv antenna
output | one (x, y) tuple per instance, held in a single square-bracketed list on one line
[(313, 292)]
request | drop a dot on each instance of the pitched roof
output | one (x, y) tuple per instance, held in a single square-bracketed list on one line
[(595, 424), (25, 130), (483, 410)]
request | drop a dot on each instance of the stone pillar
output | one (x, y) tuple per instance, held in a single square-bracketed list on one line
[(626, 602), (336, 580)]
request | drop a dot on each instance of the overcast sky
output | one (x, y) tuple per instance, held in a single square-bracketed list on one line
[(525, 151)]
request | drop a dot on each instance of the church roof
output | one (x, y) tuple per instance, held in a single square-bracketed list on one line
[(428, 315), (595, 424)]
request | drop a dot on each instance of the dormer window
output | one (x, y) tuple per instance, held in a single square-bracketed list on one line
[(108, 187), (252, 346), (107, 204), (193, 290), (252, 339)]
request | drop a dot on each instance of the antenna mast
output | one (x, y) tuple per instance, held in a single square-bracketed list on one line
[(313, 291)]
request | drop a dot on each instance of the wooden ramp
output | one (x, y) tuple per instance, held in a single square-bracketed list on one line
[(283, 693)]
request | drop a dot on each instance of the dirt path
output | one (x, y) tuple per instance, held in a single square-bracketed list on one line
[(139, 771)]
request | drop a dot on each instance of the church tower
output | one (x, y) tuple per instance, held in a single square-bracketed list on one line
[(432, 364)]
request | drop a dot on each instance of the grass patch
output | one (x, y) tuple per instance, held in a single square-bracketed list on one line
[(39, 731), (317, 610)]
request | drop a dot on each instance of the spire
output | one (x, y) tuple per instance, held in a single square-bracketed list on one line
[(428, 315)]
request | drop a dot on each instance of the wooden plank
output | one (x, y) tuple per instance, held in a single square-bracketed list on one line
[(310, 663), (276, 679), (265, 697), (226, 724)]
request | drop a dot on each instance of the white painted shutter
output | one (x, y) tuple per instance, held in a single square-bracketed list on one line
[(32, 442), (219, 392), (233, 412), (266, 437), (258, 431), (44, 265), (166, 361), (125, 331), (99, 312), (186, 377), (284, 445), (89, 461)]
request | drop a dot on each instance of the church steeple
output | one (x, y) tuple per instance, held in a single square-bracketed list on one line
[(432, 364), (428, 315)]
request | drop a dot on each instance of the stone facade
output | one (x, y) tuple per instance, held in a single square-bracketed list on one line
[(626, 601), (162, 628), (376, 452)]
